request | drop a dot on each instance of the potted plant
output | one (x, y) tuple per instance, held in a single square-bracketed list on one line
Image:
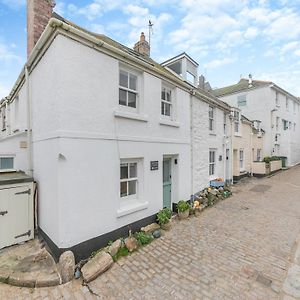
[(183, 209), (163, 218)]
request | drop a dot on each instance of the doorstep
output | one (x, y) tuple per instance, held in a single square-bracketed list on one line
[(28, 265)]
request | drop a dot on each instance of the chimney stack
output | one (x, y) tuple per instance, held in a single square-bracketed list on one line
[(142, 46), (39, 13)]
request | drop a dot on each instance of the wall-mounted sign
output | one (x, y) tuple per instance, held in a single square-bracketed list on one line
[(154, 165)]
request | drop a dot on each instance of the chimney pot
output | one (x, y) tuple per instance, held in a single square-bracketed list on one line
[(39, 13), (142, 46)]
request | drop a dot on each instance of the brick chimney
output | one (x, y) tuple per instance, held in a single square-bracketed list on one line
[(142, 46), (39, 13)]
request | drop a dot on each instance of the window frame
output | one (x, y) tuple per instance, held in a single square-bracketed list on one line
[(212, 164), (128, 90), (129, 179), (13, 160), (242, 100), (242, 160), (258, 154), (3, 114), (164, 102), (237, 116), (211, 118)]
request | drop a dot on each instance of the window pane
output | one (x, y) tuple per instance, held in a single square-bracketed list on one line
[(124, 171), (133, 170), (132, 82), (124, 79), (132, 187), (162, 108), (211, 112), (122, 97), (211, 124), (131, 99), (163, 94), (169, 96), (6, 163), (123, 189), (167, 109)]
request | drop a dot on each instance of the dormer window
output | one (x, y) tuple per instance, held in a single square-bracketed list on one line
[(184, 66)]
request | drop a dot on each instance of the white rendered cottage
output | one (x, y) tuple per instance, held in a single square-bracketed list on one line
[(278, 110), (106, 132)]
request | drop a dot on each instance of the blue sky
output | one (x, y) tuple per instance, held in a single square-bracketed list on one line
[(228, 38)]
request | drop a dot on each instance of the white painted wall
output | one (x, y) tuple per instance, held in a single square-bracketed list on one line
[(78, 143), (261, 105), (80, 133)]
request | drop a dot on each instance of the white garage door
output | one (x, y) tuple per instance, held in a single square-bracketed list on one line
[(16, 215)]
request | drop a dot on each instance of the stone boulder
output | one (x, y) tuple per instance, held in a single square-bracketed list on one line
[(114, 247), (96, 266), (66, 266), (150, 228), (131, 244)]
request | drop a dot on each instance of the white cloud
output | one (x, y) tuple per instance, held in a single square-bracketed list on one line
[(6, 55), (60, 8), (287, 79), (219, 62), (4, 90), (97, 28), (251, 33), (285, 27)]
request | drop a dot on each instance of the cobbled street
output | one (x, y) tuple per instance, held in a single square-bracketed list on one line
[(239, 249)]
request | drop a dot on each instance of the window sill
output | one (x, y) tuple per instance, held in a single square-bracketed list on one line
[(7, 170), (131, 208), (237, 135), (131, 116), (212, 133), (169, 123)]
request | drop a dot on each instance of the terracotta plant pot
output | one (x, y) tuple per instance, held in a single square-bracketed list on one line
[(184, 214)]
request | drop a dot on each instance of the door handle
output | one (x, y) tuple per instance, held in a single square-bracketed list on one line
[(2, 213)]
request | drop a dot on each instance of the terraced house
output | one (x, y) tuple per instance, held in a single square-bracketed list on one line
[(109, 135), (278, 110)]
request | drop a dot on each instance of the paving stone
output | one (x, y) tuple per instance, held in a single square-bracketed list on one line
[(291, 285), (216, 256)]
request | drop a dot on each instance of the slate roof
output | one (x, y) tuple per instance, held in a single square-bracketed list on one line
[(242, 85)]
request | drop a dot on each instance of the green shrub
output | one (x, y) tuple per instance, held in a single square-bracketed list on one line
[(182, 206), (267, 159), (273, 158), (168, 212), (123, 251), (163, 216), (143, 238)]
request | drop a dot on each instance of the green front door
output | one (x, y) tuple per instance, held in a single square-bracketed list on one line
[(167, 184)]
